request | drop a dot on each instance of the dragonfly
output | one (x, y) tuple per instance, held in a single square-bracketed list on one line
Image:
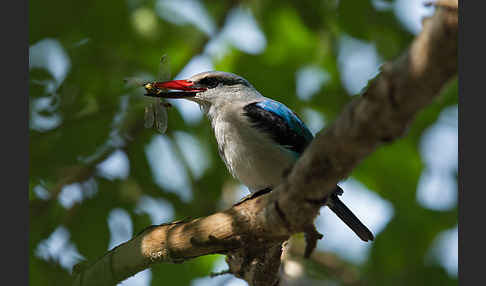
[(155, 112), (155, 91)]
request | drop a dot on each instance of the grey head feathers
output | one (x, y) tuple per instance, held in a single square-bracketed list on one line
[(222, 92), (211, 79)]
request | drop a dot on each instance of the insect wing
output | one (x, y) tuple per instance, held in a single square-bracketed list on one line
[(149, 116), (133, 82), (160, 107), (164, 69), (161, 117)]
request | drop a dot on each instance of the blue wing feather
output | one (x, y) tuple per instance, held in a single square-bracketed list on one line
[(281, 123), (289, 116)]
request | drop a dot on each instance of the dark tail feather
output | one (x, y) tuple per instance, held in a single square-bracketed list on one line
[(347, 216)]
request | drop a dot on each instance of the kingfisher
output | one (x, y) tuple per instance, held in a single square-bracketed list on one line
[(258, 138)]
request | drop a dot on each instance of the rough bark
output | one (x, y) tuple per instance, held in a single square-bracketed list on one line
[(251, 233)]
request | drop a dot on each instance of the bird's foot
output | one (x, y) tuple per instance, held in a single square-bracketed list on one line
[(253, 195)]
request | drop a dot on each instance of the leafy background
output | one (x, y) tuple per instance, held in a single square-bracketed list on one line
[(97, 176)]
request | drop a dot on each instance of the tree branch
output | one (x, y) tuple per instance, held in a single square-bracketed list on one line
[(251, 233), (380, 115)]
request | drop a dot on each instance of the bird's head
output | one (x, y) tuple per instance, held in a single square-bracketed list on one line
[(209, 88)]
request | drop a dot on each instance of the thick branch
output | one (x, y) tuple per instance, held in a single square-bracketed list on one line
[(224, 232), (245, 231), (379, 116)]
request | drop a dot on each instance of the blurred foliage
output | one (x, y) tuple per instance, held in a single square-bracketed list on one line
[(104, 45)]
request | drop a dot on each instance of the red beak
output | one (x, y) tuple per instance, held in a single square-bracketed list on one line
[(184, 85)]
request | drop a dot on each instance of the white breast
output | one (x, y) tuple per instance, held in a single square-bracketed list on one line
[(250, 155)]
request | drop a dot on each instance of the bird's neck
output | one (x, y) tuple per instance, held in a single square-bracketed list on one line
[(215, 113), (229, 103)]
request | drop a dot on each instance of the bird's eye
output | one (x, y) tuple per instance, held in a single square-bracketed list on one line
[(209, 82)]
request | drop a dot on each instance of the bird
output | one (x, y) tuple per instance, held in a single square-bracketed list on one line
[(258, 138)]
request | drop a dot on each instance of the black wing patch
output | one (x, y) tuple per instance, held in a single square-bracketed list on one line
[(277, 127)]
